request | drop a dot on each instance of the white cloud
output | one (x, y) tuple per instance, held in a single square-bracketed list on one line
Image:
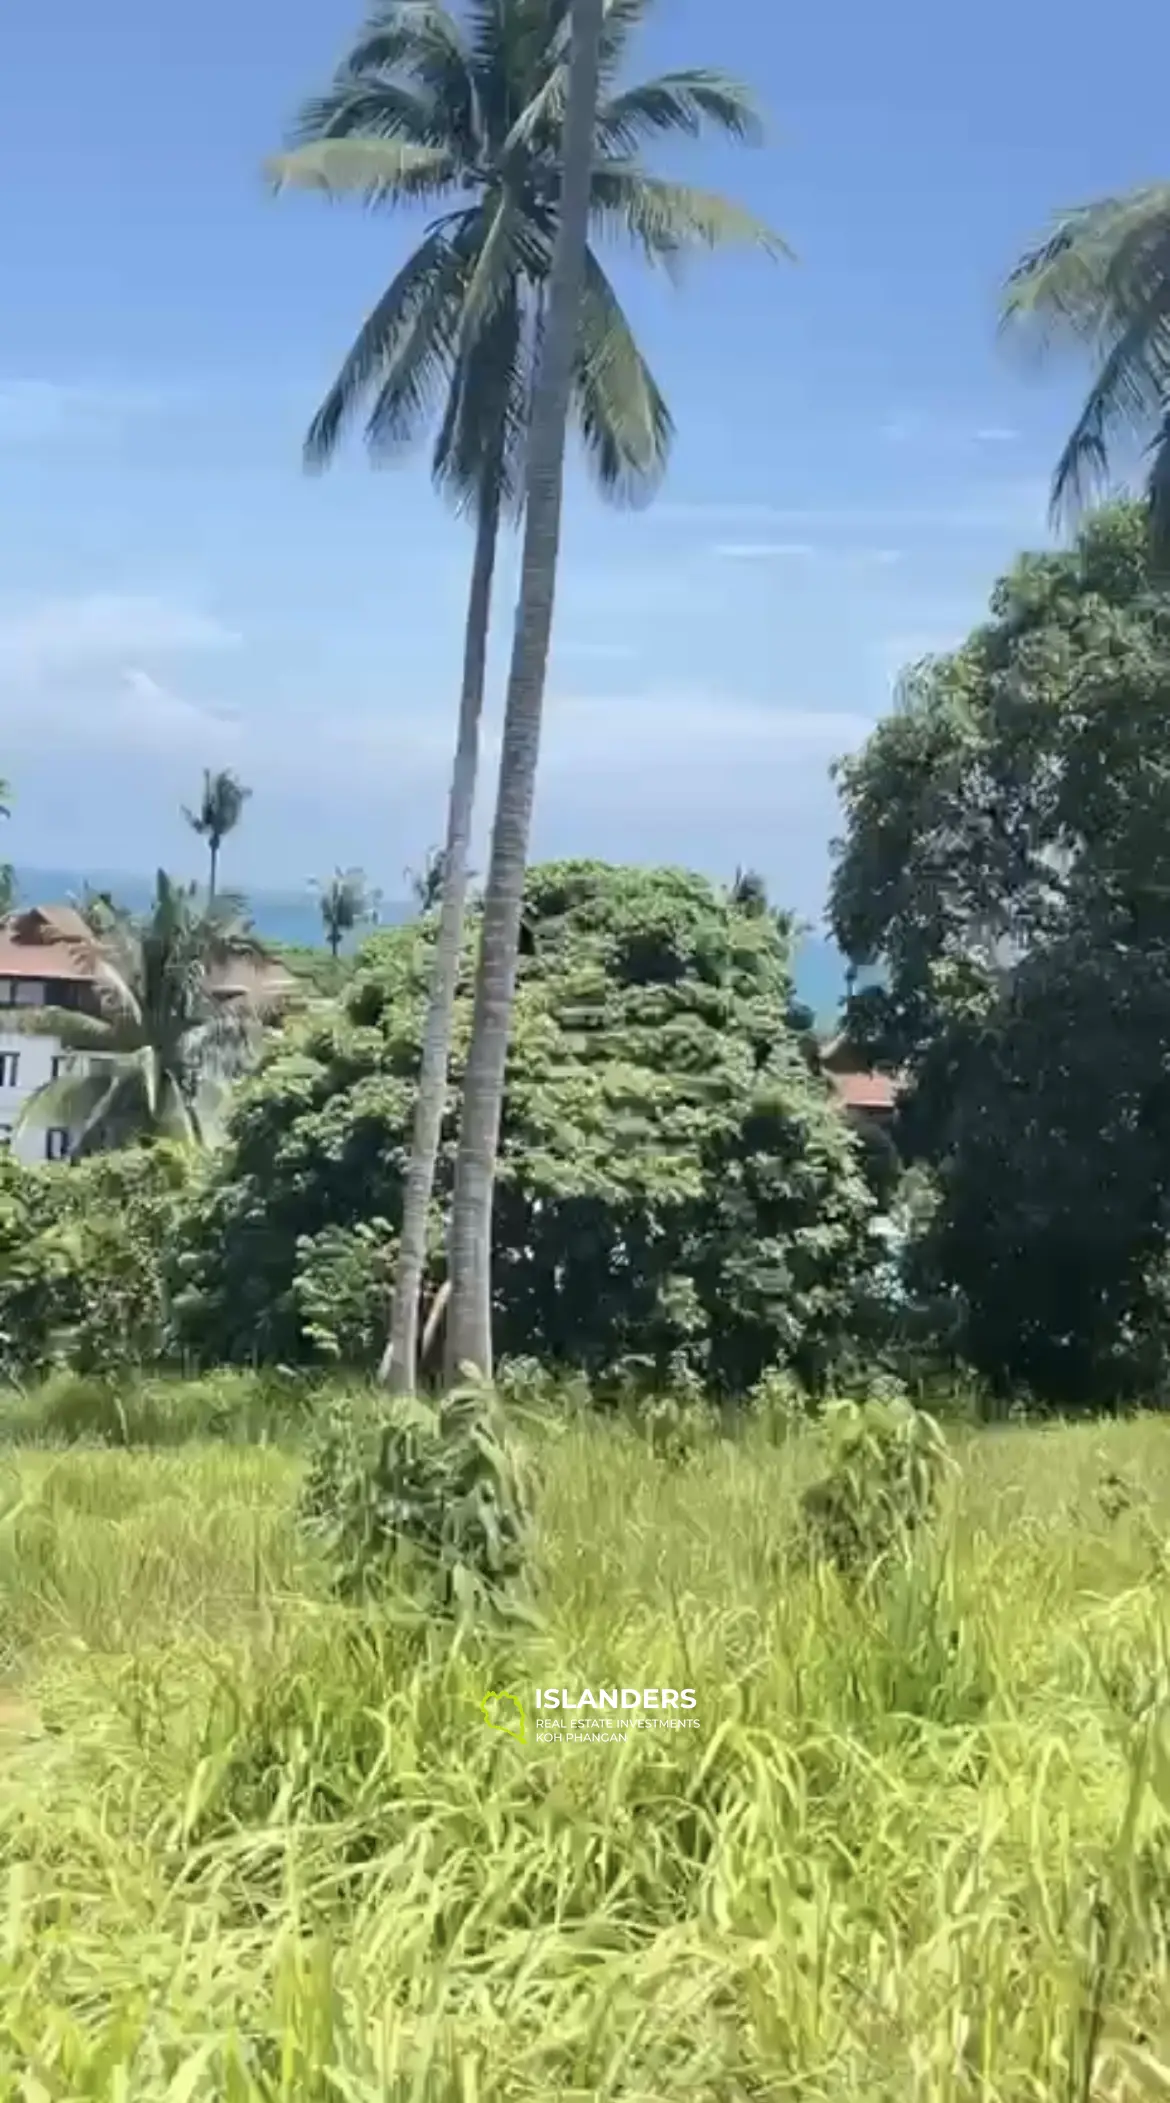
[(63, 636), (38, 412), (687, 736), (146, 714), (74, 672), (1018, 506), (765, 550), (997, 434)]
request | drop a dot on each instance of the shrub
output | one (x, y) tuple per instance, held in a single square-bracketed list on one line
[(81, 1249), (886, 1463), (341, 1290), (440, 1494)]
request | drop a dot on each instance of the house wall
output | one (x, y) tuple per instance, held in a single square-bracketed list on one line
[(34, 1058)]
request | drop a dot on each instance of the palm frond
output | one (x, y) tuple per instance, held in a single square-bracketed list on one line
[(622, 19), (1125, 396), (173, 1116), (68, 1101), (625, 424), (121, 1090), (371, 106), (382, 171), (423, 41), (1158, 496), (668, 219), (684, 102), (1061, 287), (486, 414), (424, 355), (75, 1030), (513, 245), (378, 341)]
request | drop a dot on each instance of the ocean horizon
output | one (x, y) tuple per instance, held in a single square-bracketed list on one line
[(294, 917)]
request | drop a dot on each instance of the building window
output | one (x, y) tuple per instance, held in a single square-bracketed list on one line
[(5, 1138), (9, 1069), (56, 1143), (5, 992), (63, 1062), (30, 993)]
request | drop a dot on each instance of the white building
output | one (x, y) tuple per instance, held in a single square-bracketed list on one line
[(46, 961)]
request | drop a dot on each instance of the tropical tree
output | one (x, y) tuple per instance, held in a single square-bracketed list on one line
[(220, 810), (467, 114), (346, 902), (469, 1334), (156, 1054), (1100, 282), (427, 884), (749, 891)]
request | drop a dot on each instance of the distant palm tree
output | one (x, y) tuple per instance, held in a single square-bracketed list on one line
[(156, 1057), (749, 892), (346, 902), (468, 114), (469, 1322), (219, 813), (427, 883), (1101, 282)]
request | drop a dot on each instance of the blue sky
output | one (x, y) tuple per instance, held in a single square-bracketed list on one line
[(857, 458)]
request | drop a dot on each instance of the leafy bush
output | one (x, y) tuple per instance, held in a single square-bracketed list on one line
[(341, 1290), (678, 1196), (779, 1404), (398, 1488), (886, 1464), (81, 1261)]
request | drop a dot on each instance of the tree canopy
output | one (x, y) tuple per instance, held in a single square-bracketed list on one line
[(1006, 863), (677, 1191)]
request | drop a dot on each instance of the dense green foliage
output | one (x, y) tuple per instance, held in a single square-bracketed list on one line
[(1007, 862), (678, 1197), (81, 1270)]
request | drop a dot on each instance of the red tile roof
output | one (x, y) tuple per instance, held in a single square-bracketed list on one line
[(865, 1091), (43, 945)]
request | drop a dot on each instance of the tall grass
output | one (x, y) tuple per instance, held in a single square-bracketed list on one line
[(255, 1845)]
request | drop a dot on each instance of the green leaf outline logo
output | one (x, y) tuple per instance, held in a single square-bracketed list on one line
[(508, 1730)]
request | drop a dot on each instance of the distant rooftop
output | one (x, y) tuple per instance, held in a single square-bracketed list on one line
[(54, 942)]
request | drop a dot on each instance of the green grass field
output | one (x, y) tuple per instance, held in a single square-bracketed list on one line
[(255, 1845)]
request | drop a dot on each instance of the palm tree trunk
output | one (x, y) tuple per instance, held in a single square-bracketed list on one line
[(399, 1362), (214, 853), (469, 1327)]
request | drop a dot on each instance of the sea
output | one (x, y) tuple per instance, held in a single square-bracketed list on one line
[(295, 917)]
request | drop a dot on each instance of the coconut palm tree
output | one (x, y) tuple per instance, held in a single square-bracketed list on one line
[(220, 811), (346, 902), (155, 1057), (1100, 282), (466, 114), (427, 883), (469, 1324)]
